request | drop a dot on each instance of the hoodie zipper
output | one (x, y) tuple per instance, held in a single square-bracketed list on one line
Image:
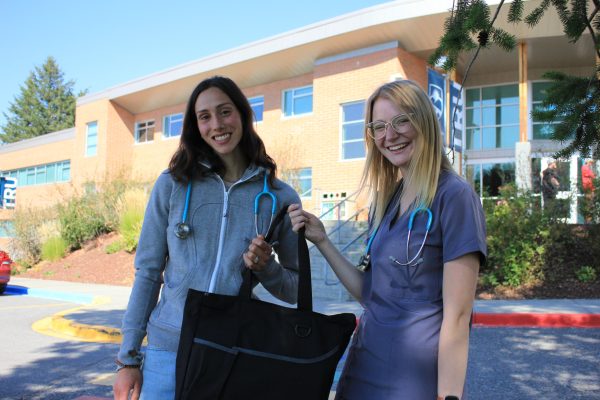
[(224, 220)]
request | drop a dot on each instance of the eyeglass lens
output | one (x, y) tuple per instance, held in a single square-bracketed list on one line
[(400, 124)]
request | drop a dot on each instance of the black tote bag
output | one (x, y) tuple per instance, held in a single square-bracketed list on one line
[(237, 347)]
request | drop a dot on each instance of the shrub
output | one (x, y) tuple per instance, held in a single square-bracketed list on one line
[(586, 274), (131, 206), (517, 232), (115, 246), (81, 219), (54, 248), (590, 203), (31, 228)]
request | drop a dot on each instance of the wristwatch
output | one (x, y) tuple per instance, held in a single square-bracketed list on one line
[(448, 398), (120, 366)]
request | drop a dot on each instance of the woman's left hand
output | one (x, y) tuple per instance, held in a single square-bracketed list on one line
[(258, 254)]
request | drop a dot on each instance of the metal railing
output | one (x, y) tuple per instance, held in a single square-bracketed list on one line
[(338, 229)]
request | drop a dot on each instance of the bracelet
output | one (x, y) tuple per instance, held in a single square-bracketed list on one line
[(120, 365)]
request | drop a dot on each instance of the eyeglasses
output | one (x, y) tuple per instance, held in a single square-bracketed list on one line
[(400, 124)]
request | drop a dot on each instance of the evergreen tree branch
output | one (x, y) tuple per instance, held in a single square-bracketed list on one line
[(588, 23)]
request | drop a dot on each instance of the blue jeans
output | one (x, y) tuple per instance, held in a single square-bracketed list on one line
[(158, 373)]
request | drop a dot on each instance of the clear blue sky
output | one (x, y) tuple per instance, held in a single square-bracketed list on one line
[(102, 43)]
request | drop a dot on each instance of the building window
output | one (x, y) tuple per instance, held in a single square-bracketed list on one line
[(305, 182), (353, 126), (7, 229), (492, 117), (300, 179), (488, 178), (541, 130), (91, 139), (144, 131), (330, 212), (41, 174), (298, 101), (172, 125), (258, 106)]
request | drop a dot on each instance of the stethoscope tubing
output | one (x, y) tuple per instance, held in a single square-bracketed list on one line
[(411, 262), (413, 214), (268, 193), (183, 229)]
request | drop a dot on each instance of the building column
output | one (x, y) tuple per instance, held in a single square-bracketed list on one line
[(523, 96), (523, 147), (523, 178)]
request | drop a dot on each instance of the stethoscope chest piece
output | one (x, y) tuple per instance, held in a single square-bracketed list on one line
[(364, 263), (182, 230)]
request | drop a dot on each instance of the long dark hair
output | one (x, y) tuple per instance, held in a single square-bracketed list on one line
[(185, 163)]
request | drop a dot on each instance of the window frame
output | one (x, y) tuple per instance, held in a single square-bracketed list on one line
[(88, 147), (37, 175), (168, 122), (467, 128), (257, 101), (531, 105), (308, 178), (294, 97), (345, 123), (136, 134)]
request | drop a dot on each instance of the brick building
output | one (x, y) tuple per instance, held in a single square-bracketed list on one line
[(308, 88)]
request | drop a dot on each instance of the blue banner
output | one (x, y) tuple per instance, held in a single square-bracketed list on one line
[(436, 89), (456, 116), (8, 192)]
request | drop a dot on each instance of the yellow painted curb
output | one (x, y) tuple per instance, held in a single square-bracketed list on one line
[(61, 327)]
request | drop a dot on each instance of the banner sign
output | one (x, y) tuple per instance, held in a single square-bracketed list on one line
[(456, 116), (8, 192), (436, 89)]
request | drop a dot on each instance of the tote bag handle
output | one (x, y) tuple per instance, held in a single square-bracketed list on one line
[(304, 278)]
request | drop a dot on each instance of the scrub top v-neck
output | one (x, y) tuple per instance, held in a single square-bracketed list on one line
[(395, 349)]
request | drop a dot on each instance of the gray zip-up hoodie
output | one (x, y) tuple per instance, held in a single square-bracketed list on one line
[(210, 259)]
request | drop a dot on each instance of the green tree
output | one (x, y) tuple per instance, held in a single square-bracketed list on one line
[(46, 104), (574, 101)]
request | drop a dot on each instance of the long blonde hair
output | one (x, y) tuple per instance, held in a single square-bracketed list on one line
[(428, 158)]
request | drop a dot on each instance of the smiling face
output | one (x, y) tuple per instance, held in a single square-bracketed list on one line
[(220, 124), (397, 148)]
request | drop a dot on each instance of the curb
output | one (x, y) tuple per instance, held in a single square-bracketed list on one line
[(538, 320), (59, 326)]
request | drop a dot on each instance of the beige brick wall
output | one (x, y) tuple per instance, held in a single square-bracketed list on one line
[(314, 140), (311, 140), (151, 158)]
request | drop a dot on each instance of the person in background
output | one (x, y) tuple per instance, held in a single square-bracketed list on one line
[(550, 184), (587, 182), (588, 176), (427, 242), (198, 229)]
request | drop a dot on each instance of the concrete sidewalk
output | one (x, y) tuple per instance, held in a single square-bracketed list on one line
[(98, 310)]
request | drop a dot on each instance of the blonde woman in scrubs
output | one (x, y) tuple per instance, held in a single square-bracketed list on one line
[(418, 288)]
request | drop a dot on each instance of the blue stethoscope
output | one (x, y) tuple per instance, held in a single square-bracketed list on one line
[(365, 263), (183, 229)]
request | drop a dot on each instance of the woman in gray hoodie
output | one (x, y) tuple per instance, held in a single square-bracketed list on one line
[(202, 243)]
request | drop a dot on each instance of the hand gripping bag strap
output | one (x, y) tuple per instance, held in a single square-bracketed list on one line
[(304, 274), (247, 276)]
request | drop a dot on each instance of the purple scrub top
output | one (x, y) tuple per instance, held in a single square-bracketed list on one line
[(395, 348)]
